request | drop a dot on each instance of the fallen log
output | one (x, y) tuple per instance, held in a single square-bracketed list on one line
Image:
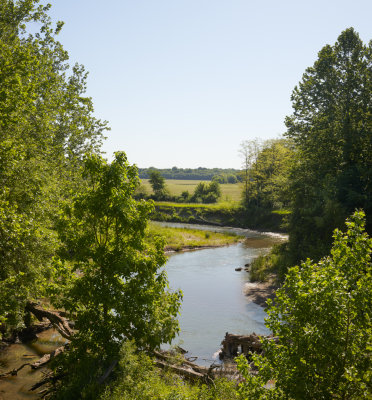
[(183, 371), (183, 367), (41, 362), (47, 357), (170, 360), (49, 378)]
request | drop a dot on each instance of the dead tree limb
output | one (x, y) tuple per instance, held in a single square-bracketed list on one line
[(185, 372), (37, 364), (107, 372), (14, 371), (55, 317)]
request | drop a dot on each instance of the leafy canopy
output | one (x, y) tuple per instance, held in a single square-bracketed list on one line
[(118, 290), (46, 125), (331, 126)]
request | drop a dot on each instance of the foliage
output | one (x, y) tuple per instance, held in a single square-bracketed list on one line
[(115, 289), (46, 125), (266, 173), (248, 151), (206, 192), (331, 127), (181, 191), (138, 379), (322, 318), (274, 263), (225, 178)]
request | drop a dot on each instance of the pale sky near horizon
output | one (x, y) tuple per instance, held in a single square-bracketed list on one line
[(184, 82)]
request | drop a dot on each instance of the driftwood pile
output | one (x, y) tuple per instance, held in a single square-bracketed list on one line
[(233, 345)]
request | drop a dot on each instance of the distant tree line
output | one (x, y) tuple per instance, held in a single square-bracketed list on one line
[(228, 175)]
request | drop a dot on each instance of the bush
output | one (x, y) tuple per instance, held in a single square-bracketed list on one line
[(322, 318), (206, 193), (276, 262)]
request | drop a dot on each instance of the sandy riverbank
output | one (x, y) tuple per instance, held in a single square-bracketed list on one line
[(260, 292)]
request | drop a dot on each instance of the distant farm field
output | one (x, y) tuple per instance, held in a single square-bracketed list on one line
[(230, 192)]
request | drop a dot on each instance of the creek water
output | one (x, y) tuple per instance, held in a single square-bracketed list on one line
[(213, 304), (18, 387), (213, 298)]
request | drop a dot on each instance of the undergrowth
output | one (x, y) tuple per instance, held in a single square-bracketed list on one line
[(138, 379)]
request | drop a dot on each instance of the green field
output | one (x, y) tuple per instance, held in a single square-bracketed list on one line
[(230, 192)]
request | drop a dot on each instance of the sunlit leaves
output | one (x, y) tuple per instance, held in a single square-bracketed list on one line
[(46, 125), (322, 318), (118, 289), (331, 126)]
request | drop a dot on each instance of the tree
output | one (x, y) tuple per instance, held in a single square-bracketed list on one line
[(322, 319), (157, 182), (248, 151), (207, 193), (109, 277), (331, 126), (46, 125), (267, 185)]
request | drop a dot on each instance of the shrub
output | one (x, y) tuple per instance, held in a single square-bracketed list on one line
[(322, 318)]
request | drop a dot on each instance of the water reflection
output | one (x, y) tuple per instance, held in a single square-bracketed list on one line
[(214, 302), (18, 387)]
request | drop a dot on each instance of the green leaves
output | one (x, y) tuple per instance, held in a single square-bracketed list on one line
[(322, 318), (46, 126), (118, 290), (331, 126)]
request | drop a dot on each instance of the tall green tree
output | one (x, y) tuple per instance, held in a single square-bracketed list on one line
[(109, 277), (331, 126), (322, 318), (46, 125), (206, 192)]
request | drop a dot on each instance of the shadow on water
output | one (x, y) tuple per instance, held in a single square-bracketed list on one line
[(18, 387)]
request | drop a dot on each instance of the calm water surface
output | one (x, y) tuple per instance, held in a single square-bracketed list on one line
[(214, 302)]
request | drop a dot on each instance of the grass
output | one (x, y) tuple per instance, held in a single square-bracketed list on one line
[(182, 238), (276, 263), (230, 192), (215, 206), (136, 377)]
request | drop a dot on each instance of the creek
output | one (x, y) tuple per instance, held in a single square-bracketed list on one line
[(213, 303), (213, 297)]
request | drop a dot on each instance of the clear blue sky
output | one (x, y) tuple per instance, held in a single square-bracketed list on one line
[(183, 82)]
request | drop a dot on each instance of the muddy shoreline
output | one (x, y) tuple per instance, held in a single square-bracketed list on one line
[(260, 292)]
